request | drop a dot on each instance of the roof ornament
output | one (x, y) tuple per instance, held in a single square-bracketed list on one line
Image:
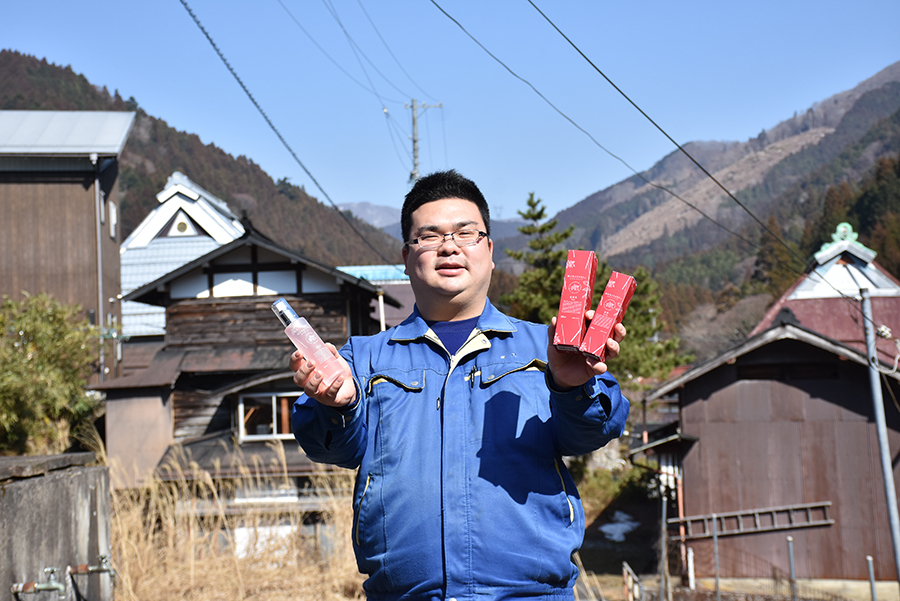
[(844, 233), (844, 240)]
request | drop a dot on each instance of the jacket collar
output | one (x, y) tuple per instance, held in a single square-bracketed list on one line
[(491, 320)]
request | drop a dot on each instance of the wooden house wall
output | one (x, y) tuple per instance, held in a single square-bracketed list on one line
[(247, 325), (49, 239), (248, 321), (765, 443)]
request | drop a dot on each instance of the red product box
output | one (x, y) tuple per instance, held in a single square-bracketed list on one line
[(610, 311), (578, 289)]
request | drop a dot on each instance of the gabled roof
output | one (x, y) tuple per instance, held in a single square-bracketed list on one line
[(188, 223), (206, 211), (826, 298), (64, 133), (148, 293), (774, 334)]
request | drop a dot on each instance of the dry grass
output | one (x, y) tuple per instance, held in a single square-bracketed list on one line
[(187, 539)]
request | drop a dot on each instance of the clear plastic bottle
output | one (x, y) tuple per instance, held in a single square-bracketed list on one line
[(307, 341)]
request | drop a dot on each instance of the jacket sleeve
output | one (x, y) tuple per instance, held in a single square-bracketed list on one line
[(329, 435), (590, 416)]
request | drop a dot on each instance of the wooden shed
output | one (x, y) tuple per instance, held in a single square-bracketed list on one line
[(59, 195), (783, 432)]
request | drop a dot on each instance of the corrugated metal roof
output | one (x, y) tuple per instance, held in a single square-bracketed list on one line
[(826, 298), (843, 276), (776, 333), (61, 133), (162, 255), (378, 274), (219, 454)]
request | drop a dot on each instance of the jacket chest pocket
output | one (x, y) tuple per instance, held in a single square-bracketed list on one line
[(392, 390), (526, 382), (516, 409), (399, 413)]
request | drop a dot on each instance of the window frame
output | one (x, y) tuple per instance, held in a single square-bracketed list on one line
[(244, 436)]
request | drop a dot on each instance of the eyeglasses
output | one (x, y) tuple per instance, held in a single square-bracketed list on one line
[(433, 240)]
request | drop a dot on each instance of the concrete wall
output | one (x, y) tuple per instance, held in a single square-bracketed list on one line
[(138, 432), (54, 513)]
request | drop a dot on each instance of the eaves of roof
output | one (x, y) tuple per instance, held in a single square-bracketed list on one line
[(773, 334), (252, 237), (163, 370)]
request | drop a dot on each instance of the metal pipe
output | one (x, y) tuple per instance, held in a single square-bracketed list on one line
[(715, 533), (790, 542), (52, 584), (100, 296), (871, 577), (104, 566), (663, 545), (887, 469)]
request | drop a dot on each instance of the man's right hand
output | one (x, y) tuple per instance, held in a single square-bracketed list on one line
[(341, 392)]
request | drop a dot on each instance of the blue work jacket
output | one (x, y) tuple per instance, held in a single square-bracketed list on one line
[(461, 491)]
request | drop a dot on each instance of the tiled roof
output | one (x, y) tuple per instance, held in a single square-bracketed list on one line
[(826, 298)]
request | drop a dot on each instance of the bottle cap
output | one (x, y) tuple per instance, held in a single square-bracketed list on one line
[(284, 312)]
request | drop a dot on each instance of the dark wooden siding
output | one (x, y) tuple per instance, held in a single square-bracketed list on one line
[(249, 321), (765, 443), (48, 237)]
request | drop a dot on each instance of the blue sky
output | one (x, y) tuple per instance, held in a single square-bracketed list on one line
[(701, 70)]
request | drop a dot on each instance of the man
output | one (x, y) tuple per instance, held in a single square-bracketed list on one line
[(458, 419)]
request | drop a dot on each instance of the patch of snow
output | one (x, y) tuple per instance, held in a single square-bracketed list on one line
[(621, 524)]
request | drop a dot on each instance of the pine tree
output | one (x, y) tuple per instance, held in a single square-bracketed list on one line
[(776, 264), (536, 298), (644, 353)]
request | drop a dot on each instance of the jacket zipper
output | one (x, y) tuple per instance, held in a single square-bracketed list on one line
[(359, 513), (563, 481)]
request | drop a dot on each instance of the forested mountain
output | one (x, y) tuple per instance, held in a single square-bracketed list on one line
[(784, 173), (280, 210), (631, 215)]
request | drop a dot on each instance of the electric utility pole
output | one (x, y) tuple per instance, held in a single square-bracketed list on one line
[(415, 133)]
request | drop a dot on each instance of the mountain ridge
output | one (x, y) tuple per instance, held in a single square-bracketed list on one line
[(612, 221), (615, 211)]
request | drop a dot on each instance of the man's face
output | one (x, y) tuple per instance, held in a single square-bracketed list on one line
[(449, 282)]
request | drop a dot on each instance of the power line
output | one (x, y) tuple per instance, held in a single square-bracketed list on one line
[(278, 133), (685, 152), (777, 237), (356, 48), (585, 132), (640, 175), (328, 56), (388, 48)]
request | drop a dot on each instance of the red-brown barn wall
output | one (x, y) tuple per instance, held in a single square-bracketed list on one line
[(765, 443)]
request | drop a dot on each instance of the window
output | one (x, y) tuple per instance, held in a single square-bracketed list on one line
[(113, 220), (265, 416)]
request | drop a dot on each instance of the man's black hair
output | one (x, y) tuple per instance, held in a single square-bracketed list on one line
[(438, 186)]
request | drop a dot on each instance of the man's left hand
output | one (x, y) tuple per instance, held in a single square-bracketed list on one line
[(572, 369)]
